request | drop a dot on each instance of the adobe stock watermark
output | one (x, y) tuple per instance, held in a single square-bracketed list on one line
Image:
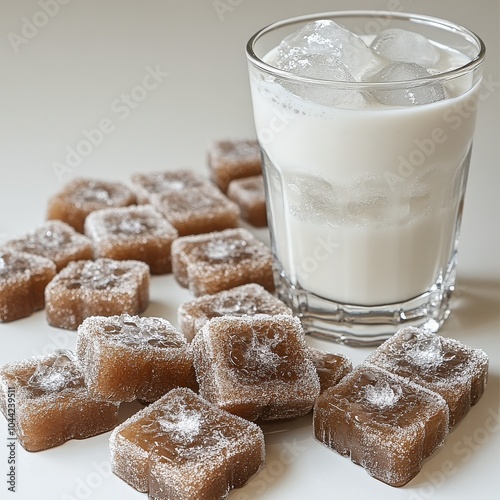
[(31, 26), (11, 440), (322, 251), (84, 488), (376, 25), (121, 108), (223, 7), (277, 124)]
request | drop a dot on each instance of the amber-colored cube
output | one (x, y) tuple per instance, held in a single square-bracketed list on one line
[(182, 447), (210, 263), (103, 287), (56, 241), (23, 278), (146, 185), (383, 422), (249, 194), (443, 365), (125, 357), (239, 301), (132, 233), (256, 367), (47, 399), (233, 159), (197, 210), (331, 368), (81, 196)]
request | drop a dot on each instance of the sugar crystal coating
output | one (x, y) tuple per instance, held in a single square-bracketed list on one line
[(182, 447), (125, 357), (52, 404), (218, 261), (383, 422), (250, 196), (235, 159), (81, 196), (443, 365), (23, 278), (54, 240), (256, 366), (135, 232), (197, 210), (239, 301), (103, 287), (331, 368)]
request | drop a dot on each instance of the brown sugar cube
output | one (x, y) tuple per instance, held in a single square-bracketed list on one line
[(210, 263), (23, 278), (443, 365), (182, 447), (249, 194), (135, 232), (383, 422), (47, 399), (82, 196), (256, 367), (331, 368), (197, 210), (228, 160), (125, 357), (56, 241), (104, 287), (146, 185), (239, 301)]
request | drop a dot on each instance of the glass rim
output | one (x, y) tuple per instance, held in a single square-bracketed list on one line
[(437, 22)]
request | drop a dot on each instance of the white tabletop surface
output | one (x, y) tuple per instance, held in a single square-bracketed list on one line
[(72, 69)]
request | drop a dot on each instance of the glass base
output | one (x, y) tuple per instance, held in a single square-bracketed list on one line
[(366, 325)]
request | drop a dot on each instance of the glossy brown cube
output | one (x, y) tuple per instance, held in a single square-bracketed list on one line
[(182, 447), (51, 403), (125, 357), (331, 368), (249, 194)]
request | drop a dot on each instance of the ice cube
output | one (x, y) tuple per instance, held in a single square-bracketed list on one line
[(410, 93), (402, 45)]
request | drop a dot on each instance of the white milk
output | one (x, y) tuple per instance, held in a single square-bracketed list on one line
[(365, 201)]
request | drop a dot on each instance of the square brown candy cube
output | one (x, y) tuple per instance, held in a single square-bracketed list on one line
[(256, 367), (228, 160), (56, 241), (239, 301), (210, 263), (132, 233), (125, 357), (197, 210), (249, 194), (331, 368), (82, 196), (48, 400), (443, 365), (182, 447), (104, 287), (23, 278), (383, 422), (146, 185)]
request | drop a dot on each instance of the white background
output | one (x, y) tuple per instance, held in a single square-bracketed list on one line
[(71, 72)]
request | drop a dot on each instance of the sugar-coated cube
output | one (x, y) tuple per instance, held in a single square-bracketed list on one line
[(125, 357), (49, 403), (256, 367), (54, 240), (146, 185), (183, 448), (239, 301), (443, 365), (104, 287), (249, 194), (228, 160), (210, 263), (132, 233), (383, 422), (197, 210), (23, 278), (331, 368), (81, 196)]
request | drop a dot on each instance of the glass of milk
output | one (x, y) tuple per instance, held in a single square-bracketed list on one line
[(365, 122)]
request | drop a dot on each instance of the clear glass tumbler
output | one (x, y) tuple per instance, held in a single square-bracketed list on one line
[(365, 180)]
